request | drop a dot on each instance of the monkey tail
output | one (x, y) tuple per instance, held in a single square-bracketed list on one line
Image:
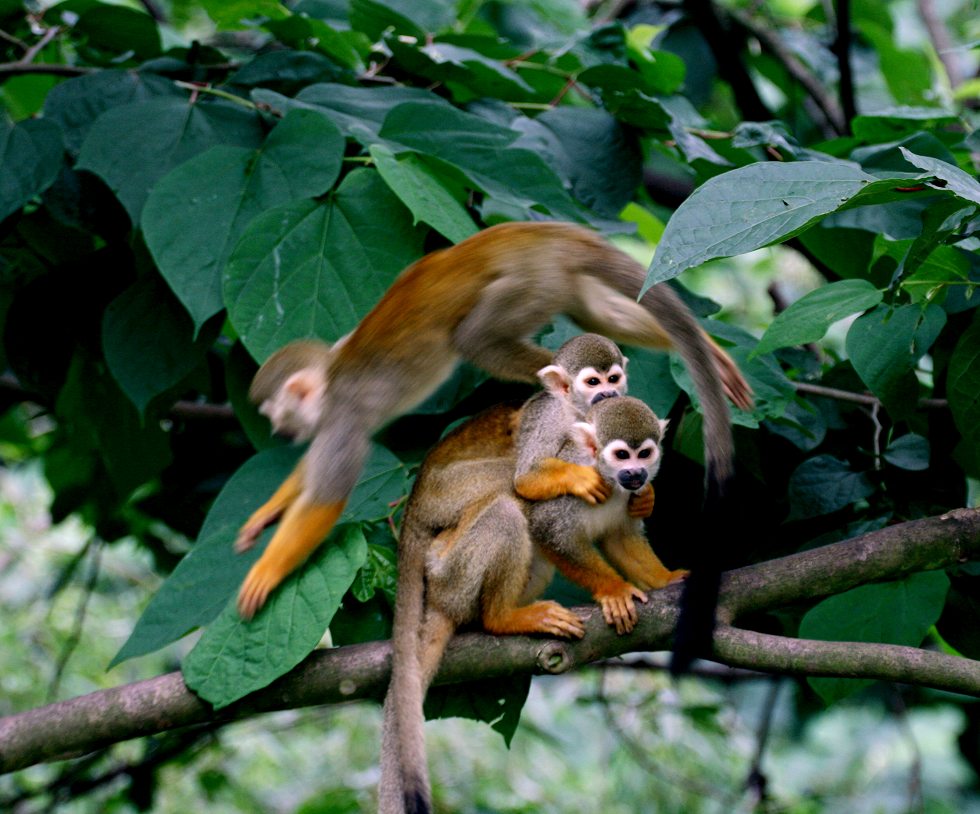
[(404, 785), (699, 600)]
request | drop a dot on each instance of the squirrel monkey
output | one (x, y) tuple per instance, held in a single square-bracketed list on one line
[(601, 546), (585, 370), (464, 555), (479, 301)]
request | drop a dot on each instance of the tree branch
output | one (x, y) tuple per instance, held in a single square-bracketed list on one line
[(80, 725)]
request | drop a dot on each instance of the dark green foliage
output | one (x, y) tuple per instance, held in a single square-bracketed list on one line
[(169, 218)]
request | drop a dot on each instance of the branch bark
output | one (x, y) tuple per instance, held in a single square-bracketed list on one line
[(80, 725)]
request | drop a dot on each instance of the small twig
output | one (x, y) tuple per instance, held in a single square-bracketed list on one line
[(876, 442), (756, 781), (941, 41), (859, 398), (13, 40), (916, 801), (799, 72), (75, 636), (842, 48)]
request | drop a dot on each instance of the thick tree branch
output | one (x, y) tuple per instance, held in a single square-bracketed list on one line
[(74, 727)]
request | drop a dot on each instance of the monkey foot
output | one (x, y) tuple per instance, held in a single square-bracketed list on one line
[(248, 535), (618, 608), (255, 590), (539, 617)]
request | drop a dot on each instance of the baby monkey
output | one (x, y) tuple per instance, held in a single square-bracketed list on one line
[(602, 546)]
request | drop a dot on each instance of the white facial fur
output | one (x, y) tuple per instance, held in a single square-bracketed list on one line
[(295, 409)]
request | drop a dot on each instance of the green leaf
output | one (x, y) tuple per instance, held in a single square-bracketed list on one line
[(627, 96), (899, 613), (422, 190), (592, 151), (205, 580), (910, 452), (380, 573), (901, 121), (119, 30), (30, 160), (233, 657), (496, 701), (347, 48), (808, 319), (233, 14), (149, 342), (823, 485), (132, 146), (884, 345), (313, 269), (196, 213), (954, 179), (210, 573), (963, 390), (474, 146), (751, 207), (75, 104), (356, 111), (103, 420), (906, 70)]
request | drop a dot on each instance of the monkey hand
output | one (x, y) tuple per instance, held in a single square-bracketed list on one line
[(553, 477), (248, 534), (618, 607), (641, 503), (586, 483)]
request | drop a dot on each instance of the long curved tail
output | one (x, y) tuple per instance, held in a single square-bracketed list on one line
[(707, 366), (404, 783), (419, 639)]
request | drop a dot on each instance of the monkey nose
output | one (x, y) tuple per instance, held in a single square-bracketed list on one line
[(632, 479), (605, 394)]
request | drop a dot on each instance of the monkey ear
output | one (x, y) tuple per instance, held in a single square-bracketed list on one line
[(555, 379), (584, 435), (663, 426), (626, 361), (305, 384)]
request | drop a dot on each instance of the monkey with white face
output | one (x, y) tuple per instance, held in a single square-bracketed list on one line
[(600, 546)]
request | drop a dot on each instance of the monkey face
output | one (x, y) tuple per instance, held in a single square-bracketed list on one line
[(592, 385), (631, 466)]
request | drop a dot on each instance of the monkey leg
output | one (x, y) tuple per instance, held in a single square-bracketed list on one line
[(615, 596), (304, 526), (640, 503), (632, 556), (553, 477), (491, 335), (270, 511)]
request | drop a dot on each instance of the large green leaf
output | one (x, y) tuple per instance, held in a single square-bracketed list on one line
[(963, 390), (823, 485), (234, 657), (808, 319), (751, 207), (205, 580), (30, 160), (198, 211), (474, 146), (149, 342), (953, 178), (884, 346), (132, 146), (898, 613), (356, 111), (75, 104), (424, 191), (313, 269)]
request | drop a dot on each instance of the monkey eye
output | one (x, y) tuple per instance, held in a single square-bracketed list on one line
[(592, 381), (622, 454), (614, 378), (644, 453)]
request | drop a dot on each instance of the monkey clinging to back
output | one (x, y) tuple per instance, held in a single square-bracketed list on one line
[(479, 301)]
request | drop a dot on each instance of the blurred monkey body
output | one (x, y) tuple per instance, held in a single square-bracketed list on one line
[(477, 301)]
